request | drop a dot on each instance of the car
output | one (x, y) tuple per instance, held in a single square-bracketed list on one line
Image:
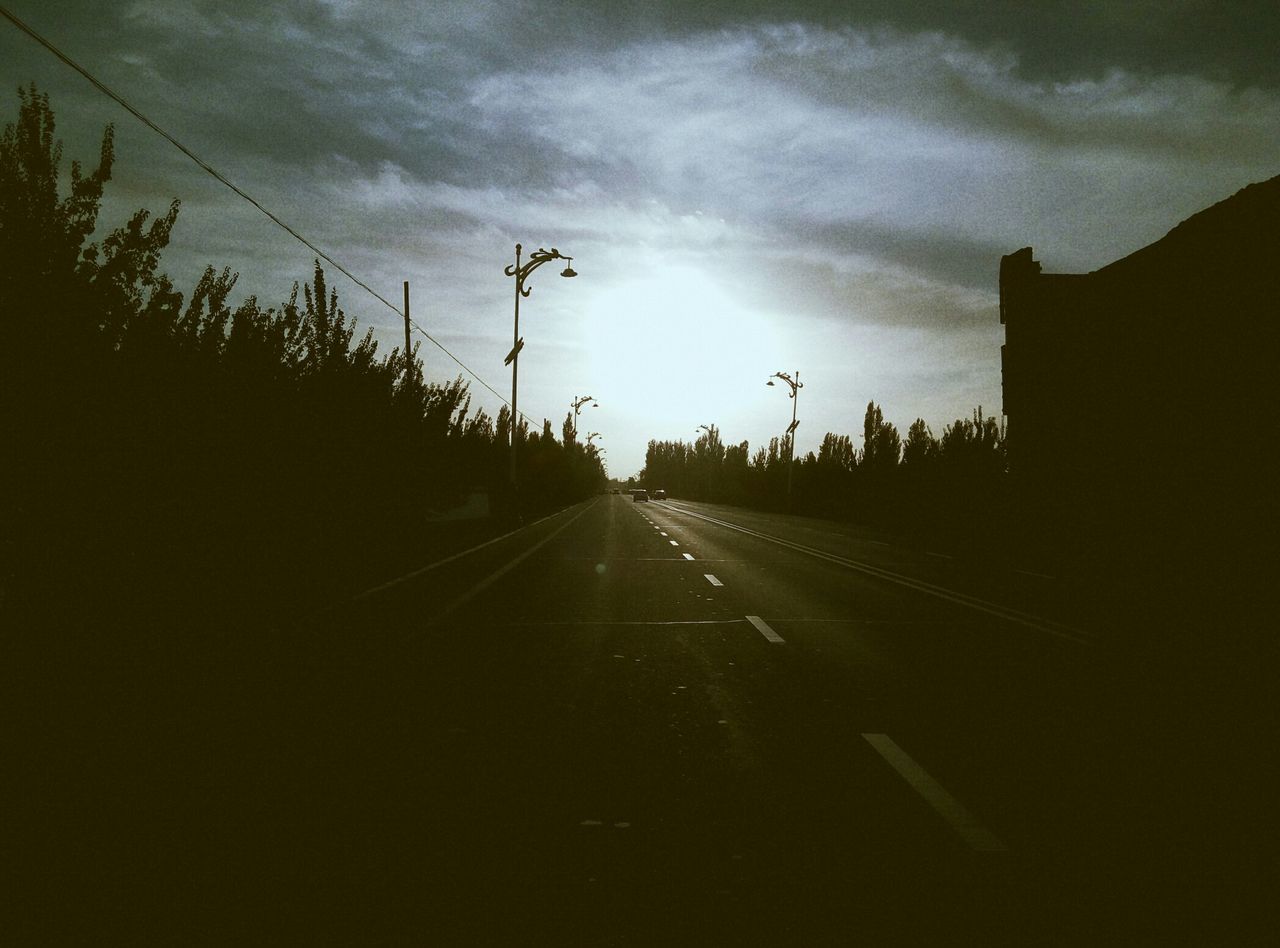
[(638, 495), (659, 495)]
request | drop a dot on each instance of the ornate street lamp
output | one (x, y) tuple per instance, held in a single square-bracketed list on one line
[(577, 404), (521, 273), (795, 385)]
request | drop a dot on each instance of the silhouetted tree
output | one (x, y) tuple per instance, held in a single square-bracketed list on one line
[(920, 448), (881, 445), (973, 446), (208, 446)]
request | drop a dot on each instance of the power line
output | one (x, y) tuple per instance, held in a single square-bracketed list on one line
[(120, 100)]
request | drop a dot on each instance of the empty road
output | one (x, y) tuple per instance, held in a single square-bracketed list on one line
[(668, 722)]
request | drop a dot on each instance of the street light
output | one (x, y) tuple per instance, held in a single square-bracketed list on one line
[(707, 428), (594, 434), (521, 273), (577, 404), (795, 385)]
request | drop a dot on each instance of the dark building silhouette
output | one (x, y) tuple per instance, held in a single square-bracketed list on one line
[(1140, 397)]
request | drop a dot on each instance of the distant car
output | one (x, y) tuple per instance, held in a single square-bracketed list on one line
[(639, 495), (659, 495)]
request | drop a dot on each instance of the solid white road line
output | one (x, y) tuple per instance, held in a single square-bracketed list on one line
[(712, 580), (687, 556), (948, 807), (971, 602), (373, 591), (502, 570), (763, 628)]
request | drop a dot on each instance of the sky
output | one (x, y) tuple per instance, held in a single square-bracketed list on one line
[(745, 188)]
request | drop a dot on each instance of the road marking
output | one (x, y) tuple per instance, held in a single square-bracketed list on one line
[(673, 542), (661, 534), (502, 571), (687, 556), (961, 599), (1027, 572), (763, 628), (598, 623), (712, 580), (948, 807), (941, 556), (373, 591)]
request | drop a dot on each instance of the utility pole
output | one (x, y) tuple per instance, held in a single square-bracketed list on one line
[(408, 347)]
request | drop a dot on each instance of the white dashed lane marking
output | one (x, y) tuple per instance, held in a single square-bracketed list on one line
[(712, 580), (687, 556), (763, 628), (948, 807)]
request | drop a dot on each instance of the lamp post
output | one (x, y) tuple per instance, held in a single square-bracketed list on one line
[(795, 385), (706, 428), (577, 404), (521, 273), (594, 434)]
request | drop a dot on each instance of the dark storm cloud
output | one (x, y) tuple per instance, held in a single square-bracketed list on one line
[(1228, 40), (945, 258), (852, 171)]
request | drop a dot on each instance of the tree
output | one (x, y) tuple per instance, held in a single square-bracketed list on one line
[(53, 289), (881, 445), (973, 446), (837, 451), (40, 233), (921, 447)]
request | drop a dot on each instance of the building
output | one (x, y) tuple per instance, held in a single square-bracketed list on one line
[(1139, 398)]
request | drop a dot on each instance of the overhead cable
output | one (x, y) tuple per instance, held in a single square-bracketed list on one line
[(213, 172)]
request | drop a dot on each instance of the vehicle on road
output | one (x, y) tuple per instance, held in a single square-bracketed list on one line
[(659, 495), (639, 495)]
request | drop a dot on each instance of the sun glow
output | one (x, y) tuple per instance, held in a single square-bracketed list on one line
[(673, 350)]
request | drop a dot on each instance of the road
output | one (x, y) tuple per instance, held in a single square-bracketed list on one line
[(676, 723)]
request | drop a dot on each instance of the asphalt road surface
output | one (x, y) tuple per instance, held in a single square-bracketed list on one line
[(674, 723)]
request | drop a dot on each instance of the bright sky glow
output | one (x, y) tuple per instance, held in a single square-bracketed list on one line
[(673, 351), (745, 188)]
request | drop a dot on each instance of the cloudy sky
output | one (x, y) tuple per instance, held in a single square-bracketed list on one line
[(745, 187)]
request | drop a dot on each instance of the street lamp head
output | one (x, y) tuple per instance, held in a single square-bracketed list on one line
[(769, 383), (568, 270)]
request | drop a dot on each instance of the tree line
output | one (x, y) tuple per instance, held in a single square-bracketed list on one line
[(206, 450), (953, 485)]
